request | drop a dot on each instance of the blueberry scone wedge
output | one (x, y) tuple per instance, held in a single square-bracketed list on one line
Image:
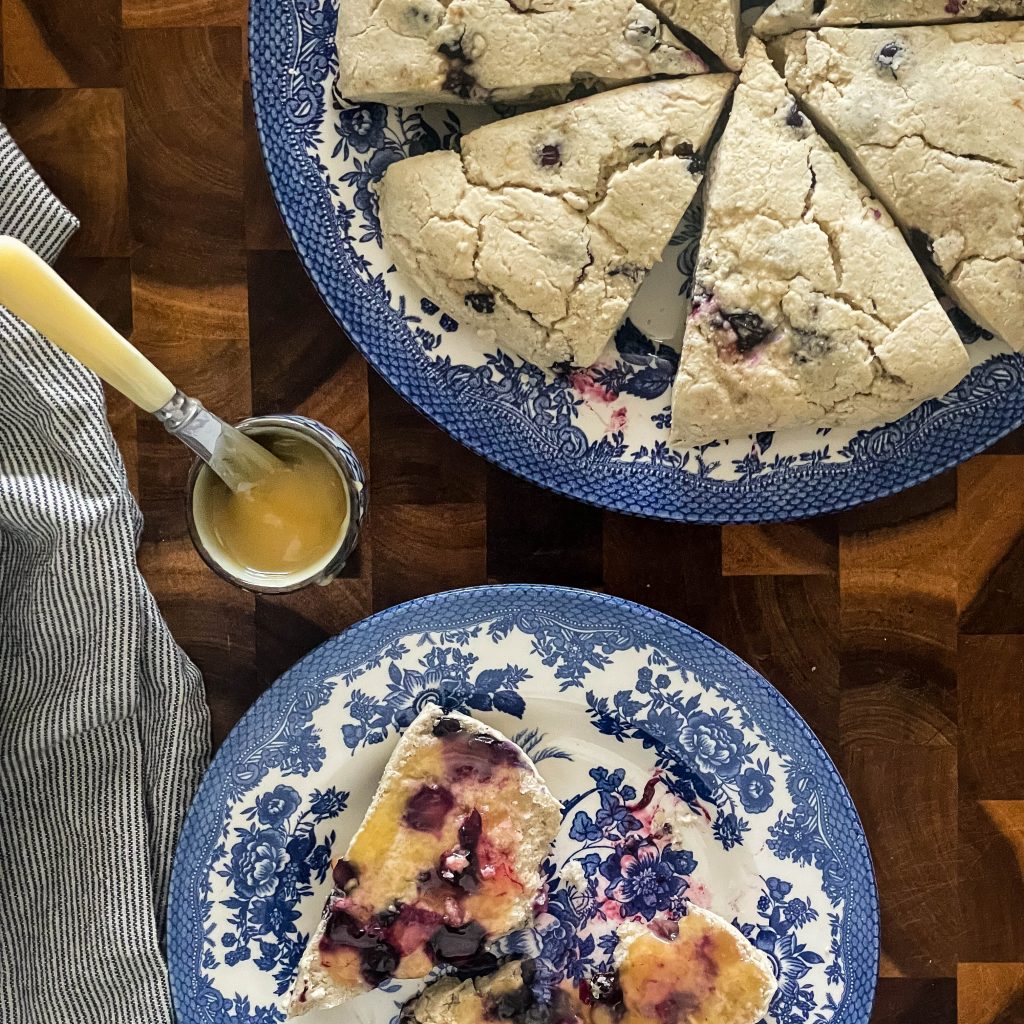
[(932, 117), (447, 860), (789, 15), (488, 51), (808, 306), (697, 970), (538, 234)]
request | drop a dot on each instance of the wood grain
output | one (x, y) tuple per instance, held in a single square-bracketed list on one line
[(896, 629)]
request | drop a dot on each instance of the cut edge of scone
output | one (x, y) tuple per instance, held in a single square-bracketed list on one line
[(972, 281), (712, 398), (314, 988)]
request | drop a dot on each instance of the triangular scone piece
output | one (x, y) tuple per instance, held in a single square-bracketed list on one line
[(447, 859), (539, 234), (700, 971), (487, 51), (808, 306), (933, 119), (715, 23), (788, 15)]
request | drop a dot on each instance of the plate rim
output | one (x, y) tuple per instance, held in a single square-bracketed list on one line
[(373, 632), (660, 493)]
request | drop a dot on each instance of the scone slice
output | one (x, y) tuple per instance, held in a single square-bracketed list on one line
[(789, 15), (487, 51), (538, 235), (446, 861), (932, 118), (808, 306)]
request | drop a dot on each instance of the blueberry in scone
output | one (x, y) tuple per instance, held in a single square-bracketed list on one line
[(932, 118), (788, 15), (446, 861), (539, 232), (486, 51), (808, 306)]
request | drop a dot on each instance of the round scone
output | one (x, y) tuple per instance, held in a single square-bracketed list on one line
[(447, 860)]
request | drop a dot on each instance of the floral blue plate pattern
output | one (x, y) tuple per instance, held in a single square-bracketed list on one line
[(633, 719), (598, 435)]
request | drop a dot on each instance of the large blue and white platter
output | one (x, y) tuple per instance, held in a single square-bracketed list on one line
[(606, 696), (599, 435)]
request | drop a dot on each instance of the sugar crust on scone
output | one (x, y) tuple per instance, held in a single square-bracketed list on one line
[(932, 117)]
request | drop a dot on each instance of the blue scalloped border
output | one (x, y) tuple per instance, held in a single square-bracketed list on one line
[(771, 712), (637, 488)]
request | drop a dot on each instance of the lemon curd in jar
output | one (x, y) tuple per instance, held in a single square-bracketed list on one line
[(285, 526)]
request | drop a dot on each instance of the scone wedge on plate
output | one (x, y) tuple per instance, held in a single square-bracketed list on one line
[(808, 306), (700, 970), (932, 117), (715, 23), (538, 234), (487, 51), (788, 15), (447, 860)]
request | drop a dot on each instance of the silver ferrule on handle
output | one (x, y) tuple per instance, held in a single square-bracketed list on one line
[(192, 423)]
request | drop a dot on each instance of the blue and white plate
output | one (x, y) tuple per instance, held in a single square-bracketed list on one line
[(606, 696), (599, 435)]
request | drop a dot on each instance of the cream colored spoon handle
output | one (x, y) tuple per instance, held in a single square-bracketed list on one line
[(31, 290)]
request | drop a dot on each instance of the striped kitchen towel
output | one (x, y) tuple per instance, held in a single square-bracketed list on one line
[(103, 725)]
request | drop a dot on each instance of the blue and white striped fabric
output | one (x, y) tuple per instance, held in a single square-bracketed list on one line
[(103, 725)]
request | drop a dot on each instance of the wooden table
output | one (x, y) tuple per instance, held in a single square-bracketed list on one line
[(897, 630)]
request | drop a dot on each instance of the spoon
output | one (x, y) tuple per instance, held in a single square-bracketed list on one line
[(35, 293)]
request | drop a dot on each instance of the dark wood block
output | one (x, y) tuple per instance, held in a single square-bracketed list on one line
[(75, 139), (906, 796), (669, 566), (991, 696), (537, 536), (992, 880), (185, 148), (52, 44), (787, 628), (421, 549), (991, 994), (991, 541), (414, 461), (296, 345), (915, 1001), (780, 549), (899, 623)]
